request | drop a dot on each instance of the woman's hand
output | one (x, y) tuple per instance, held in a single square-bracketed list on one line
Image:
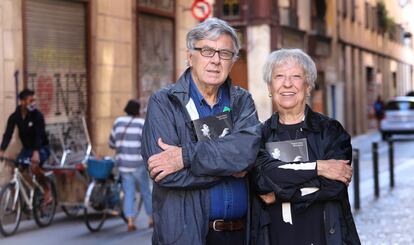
[(269, 198), (335, 170)]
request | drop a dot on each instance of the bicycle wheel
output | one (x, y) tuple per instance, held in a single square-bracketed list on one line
[(44, 210), (95, 211), (71, 211), (10, 210)]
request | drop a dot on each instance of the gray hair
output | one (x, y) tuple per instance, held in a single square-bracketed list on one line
[(285, 56), (211, 29)]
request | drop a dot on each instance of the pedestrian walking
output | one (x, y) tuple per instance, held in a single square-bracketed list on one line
[(379, 108), (126, 138)]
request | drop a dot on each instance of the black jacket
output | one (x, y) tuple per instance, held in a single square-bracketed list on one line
[(31, 130), (327, 139), (181, 200)]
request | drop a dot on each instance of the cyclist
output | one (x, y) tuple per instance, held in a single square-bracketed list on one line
[(32, 134)]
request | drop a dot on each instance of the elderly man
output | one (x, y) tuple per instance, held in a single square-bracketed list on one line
[(200, 193)]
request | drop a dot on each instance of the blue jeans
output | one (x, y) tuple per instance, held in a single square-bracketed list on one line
[(129, 182), (25, 155)]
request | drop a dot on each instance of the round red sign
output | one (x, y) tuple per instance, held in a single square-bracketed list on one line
[(200, 9)]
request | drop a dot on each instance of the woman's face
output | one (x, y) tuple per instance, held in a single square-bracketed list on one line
[(288, 86)]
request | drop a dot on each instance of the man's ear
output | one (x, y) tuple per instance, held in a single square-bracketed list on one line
[(189, 58)]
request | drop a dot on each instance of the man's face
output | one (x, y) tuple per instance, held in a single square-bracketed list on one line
[(211, 71), (27, 101)]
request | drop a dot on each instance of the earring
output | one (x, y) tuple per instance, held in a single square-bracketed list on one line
[(270, 95)]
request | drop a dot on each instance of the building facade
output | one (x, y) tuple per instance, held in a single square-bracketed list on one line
[(362, 49)]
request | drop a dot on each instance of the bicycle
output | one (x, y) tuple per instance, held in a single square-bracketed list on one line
[(103, 195), (19, 195)]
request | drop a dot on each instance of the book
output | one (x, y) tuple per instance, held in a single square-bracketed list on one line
[(213, 127), (289, 150)]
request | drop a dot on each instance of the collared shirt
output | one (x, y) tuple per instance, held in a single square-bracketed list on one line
[(228, 199)]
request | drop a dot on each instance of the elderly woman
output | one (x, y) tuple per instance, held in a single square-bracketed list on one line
[(303, 205)]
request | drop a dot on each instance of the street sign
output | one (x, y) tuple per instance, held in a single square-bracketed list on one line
[(200, 9)]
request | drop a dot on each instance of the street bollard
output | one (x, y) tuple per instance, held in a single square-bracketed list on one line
[(375, 161), (391, 161), (355, 163)]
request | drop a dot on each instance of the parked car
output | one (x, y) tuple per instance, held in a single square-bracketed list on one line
[(399, 117)]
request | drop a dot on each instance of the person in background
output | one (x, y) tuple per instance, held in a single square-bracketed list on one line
[(379, 110), (32, 133), (125, 138)]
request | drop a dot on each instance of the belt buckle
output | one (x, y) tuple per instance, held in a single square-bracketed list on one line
[(215, 222)]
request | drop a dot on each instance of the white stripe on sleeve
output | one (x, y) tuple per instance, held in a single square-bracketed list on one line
[(308, 190), (299, 166)]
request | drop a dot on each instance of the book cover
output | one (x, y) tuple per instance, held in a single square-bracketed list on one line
[(289, 150), (213, 127)]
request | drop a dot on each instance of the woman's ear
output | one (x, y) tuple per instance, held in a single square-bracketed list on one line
[(269, 89), (308, 91)]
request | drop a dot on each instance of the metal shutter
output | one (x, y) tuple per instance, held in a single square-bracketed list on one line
[(55, 42), (55, 52)]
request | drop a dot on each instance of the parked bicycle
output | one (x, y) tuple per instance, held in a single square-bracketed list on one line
[(104, 194), (23, 194)]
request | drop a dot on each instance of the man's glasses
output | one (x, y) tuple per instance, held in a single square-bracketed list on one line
[(209, 52)]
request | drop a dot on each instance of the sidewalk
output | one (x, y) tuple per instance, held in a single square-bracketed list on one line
[(388, 219)]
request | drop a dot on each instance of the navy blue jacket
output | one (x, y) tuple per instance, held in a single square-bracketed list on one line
[(181, 200)]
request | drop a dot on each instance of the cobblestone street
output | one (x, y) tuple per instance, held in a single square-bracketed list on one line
[(389, 220)]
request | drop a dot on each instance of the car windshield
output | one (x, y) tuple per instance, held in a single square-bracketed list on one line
[(399, 106)]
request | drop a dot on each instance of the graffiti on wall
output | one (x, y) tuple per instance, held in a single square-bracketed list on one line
[(61, 95), (72, 137)]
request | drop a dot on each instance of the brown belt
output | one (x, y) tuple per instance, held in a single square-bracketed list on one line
[(221, 225)]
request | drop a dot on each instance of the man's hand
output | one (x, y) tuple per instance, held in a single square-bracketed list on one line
[(167, 162), (35, 157), (335, 170), (269, 198), (35, 163), (240, 174)]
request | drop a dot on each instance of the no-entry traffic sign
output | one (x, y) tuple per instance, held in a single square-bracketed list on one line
[(200, 9)]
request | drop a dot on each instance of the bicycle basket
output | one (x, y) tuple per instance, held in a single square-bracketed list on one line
[(99, 169)]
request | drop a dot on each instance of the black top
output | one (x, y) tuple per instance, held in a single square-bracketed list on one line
[(32, 131), (307, 225)]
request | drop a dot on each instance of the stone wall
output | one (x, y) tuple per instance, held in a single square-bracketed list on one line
[(11, 60)]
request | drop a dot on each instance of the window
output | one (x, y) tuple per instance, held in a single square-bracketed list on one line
[(344, 8), (231, 8), (367, 15), (353, 9)]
